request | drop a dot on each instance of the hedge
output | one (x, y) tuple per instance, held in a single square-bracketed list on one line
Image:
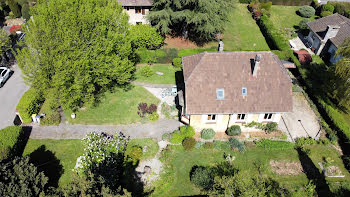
[(274, 145), (162, 56), (179, 135), (29, 104), (342, 8), (186, 52), (281, 2), (10, 141)]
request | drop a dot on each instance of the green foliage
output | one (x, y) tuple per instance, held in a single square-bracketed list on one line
[(208, 145), (25, 11), (342, 8), (179, 135), (29, 104), (168, 110), (342, 74), (327, 7), (177, 62), (270, 127), (326, 13), (188, 143), (283, 55), (280, 2), (10, 141), (303, 25), (50, 109), (149, 146), (146, 71), (166, 136), (272, 33), (200, 20), (233, 130), (14, 8), (305, 141), (5, 41), (134, 154), (94, 51), (153, 117), (274, 145), (306, 11), (235, 143), (208, 134), (222, 145), (266, 6), (145, 36), (202, 177), (149, 56), (21, 178)]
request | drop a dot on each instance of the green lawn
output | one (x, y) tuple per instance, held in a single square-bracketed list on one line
[(242, 33), (119, 107), (175, 180), (53, 155), (168, 76)]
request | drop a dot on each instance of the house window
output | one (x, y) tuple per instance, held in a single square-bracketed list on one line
[(211, 118), (244, 91), (137, 10), (127, 8), (220, 94), (143, 11), (267, 116), (241, 116)]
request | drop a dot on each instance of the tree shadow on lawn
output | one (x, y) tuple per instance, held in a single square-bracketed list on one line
[(313, 174), (47, 162)]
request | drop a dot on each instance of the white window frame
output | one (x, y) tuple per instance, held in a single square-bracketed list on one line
[(246, 91), (217, 94), (269, 116), (239, 117), (211, 117)]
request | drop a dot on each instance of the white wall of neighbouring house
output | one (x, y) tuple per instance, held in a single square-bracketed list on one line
[(134, 17)]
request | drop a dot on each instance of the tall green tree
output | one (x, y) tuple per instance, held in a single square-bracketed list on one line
[(342, 72), (14, 8), (21, 178), (5, 41), (200, 20), (79, 48)]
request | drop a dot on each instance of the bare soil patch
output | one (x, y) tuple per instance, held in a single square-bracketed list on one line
[(180, 43), (286, 168)]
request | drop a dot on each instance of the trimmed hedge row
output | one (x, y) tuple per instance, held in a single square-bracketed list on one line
[(10, 141), (342, 8), (274, 145), (281, 2), (29, 104)]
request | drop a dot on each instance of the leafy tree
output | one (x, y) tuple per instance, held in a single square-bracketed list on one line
[(79, 48), (342, 71), (21, 178), (197, 19), (14, 8), (145, 36), (5, 41)]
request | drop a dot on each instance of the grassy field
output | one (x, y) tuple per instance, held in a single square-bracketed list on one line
[(168, 76), (56, 157), (178, 163), (119, 107), (242, 33)]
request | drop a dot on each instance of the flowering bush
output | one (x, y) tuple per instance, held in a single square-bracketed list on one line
[(144, 109), (100, 149), (15, 28)]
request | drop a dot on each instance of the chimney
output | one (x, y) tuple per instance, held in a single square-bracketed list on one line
[(332, 31), (256, 65), (221, 46)]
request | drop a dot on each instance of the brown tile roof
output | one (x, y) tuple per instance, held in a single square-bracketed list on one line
[(270, 91), (136, 2), (319, 27)]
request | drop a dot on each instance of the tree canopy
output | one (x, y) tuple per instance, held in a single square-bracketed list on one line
[(145, 36), (198, 20), (79, 48), (342, 72), (5, 41)]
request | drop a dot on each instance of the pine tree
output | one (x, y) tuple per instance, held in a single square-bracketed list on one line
[(342, 72)]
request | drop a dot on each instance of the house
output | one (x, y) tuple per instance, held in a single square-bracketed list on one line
[(234, 88), (327, 34), (137, 10)]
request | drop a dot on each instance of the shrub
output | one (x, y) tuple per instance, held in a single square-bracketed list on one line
[(274, 145), (50, 109), (188, 143), (303, 24), (179, 135), (202, 177), (304, 141), (208, 134), (187, 131), (328, 7), (145, 36), (153, 117), (10, 141), (146, 71), (177, 62), (326, 13), (199, 145), (166, 136), (208, 145), (235, 143), (306, 11), (134, 154), (271, 126), (234, 130), (266, 6), (342, 8), (29, 104), (149, 56), (315, 4), (144, 109)]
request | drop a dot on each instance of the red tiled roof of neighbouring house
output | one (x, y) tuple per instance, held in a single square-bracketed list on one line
[(204, 73)]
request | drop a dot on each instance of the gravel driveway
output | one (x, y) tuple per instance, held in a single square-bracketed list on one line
[(10, 94), (302, 122)]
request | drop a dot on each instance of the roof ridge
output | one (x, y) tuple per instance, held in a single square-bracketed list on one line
[(199, 61)]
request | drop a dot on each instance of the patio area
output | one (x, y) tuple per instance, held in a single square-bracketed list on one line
[(297, 44)]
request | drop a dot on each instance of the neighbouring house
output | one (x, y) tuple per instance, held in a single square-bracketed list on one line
[(327, 34), (137, 10), (234, 88)]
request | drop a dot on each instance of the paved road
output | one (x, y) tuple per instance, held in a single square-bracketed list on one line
[(153, 130), (10, 94)]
